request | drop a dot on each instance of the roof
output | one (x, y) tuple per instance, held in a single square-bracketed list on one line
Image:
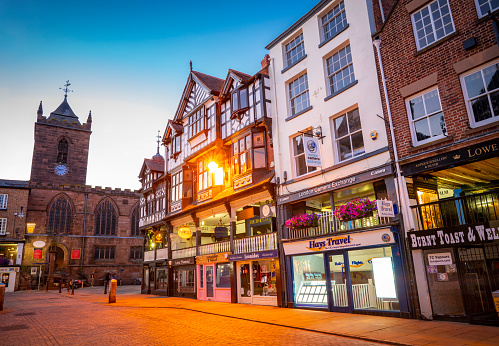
[(64, 113), (14, 183), (213, 83), (157, 166), (243, 76)]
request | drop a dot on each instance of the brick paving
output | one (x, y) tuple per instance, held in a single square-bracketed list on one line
[(87, 318)]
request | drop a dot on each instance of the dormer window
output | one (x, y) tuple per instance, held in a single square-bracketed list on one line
[(239, 101), (196, 122), (176, 145)]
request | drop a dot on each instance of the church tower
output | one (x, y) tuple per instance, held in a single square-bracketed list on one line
[(60, 153)]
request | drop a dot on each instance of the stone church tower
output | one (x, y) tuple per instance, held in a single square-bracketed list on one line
[(60, 153)]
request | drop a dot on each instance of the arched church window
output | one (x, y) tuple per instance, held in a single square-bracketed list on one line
[(105, 218), (60, 216), (134, 222), (62, 151)]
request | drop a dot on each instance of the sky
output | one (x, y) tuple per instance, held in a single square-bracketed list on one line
[(127, 62)]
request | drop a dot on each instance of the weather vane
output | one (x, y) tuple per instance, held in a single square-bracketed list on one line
[(159, 140), (66, 88)]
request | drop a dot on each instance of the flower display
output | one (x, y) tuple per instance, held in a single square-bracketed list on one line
[(303, 221), (355, 209), (4, 261)]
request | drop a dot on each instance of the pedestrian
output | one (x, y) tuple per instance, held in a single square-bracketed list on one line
[(92, 275), (106, 281)]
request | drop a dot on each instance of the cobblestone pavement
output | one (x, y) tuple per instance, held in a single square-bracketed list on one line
[(41, 318)]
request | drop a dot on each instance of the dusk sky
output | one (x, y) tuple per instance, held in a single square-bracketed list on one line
[(127, 62)]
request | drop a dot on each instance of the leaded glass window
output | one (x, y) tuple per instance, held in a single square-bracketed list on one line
[(105, 219), (60, 216)]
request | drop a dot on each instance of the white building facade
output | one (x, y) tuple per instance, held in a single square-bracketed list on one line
[(332, 160)]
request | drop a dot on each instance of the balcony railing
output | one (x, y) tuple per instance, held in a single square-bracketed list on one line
[(257, 243), (182, 253), (214, 248), (162, 253), (327, 221), (457, 211), (148, 256)]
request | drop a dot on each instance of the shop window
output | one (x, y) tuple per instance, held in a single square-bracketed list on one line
[(309, 285), (485, 6), (9, 253), (196, 122), (333, 22), (136, 253), (177, 186), (294, 51), (3, 201), (432, 23), (348, 135), (201, 276), (162, 279), (372, 277), (185, 280), (223, 275), (299, 159), (299, 100), (104, 252), (481, 92), (426, 117), (239, 101), (264, 278), (340, 71), (178, 243)]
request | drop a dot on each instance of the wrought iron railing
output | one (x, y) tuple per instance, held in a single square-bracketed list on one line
[(457, 211)]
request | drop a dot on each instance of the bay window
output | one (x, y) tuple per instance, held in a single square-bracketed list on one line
[(249, 153), (176, 186), (239, 101)]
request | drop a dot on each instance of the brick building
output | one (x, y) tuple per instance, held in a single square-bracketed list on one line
[(439, 60), (74, 229)]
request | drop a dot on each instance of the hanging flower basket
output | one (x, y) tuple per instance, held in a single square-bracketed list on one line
[(303, 221), (358, 208)]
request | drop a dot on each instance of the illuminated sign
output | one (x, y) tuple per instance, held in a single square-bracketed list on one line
[(184, 232), (30, 227)]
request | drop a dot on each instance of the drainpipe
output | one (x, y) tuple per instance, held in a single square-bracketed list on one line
[(83, 237)]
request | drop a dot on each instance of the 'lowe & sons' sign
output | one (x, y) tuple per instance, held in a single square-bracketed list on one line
[(453, 236)]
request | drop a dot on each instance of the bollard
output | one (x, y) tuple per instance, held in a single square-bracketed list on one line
[(67, 283), (60, 287), (73, 288), (2, 295), (112, 291)]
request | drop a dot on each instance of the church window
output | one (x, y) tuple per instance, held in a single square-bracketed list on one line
[(104, 253), (62, 151), (136, 252), (105, 219), (134, 222), (60, 216)]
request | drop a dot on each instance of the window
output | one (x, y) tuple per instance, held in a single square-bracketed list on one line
[(432, 23), (105, 219), (205, 177), (299, 156), (177, 186), (481, 92), (239, 100), (196, 122), (334, 21), (223, 275), (3, 226), (226, 120), (135, 252), (484, 6), (60, 216), (294, 51), (176, 144), (340, 70), (104, 253), (62, 151), (134, 222), (242, 155), (259, 154), (426, 117), (3, 201), (348, 135), (298, 95)]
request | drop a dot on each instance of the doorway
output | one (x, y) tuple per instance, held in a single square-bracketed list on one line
[(244, 286), (209, 281)]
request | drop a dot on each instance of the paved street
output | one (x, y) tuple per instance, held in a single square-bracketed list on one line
[(53, 318)]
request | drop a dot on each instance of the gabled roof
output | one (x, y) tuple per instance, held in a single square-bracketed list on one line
[(64, 113), (172, 126), (234, 75), (154, 165), (214, 84)]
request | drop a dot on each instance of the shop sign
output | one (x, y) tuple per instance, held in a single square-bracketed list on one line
[(337, 242), (453, 236), (247, 213), (183, 261), (337, 184), (184, 232), (471, 153), (215, 258), (39, 243), (9, 270), (75, 254), (37, 254), (221, 232), (253, 255), (30, 227), (312, 155), (267, 210), (259, 222), (385, 208), (440, 259)]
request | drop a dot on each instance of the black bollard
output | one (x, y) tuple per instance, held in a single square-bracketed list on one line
[(60, 287), (73, 288)]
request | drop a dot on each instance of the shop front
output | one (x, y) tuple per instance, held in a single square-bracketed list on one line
[(348, 272), (213, 281), (184, 277), (257, 277)]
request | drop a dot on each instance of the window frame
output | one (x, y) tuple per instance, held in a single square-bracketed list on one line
[(104, 208), (295, 156), (59, 216), (288, 50), (240, 109), (471, 116), (4, 197), (415, 31), (134, 250), (323, 25), (176, 186), (104, 253), (412, 122), (176, 143), (291, 112), (197, 120), (248, 153), (348, 135), (204, 176), (479, 11), (337, 52), (134, 222), (62, 151), (3, 226)]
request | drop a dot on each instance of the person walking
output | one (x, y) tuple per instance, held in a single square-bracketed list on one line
[(106, 282), (92, 277)]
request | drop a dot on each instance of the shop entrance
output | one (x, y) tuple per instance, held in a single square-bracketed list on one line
[(209, 281), (340, 292), (244, 294), (480, 278)]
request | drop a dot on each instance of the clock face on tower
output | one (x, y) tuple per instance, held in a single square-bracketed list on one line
[(60, 169)]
